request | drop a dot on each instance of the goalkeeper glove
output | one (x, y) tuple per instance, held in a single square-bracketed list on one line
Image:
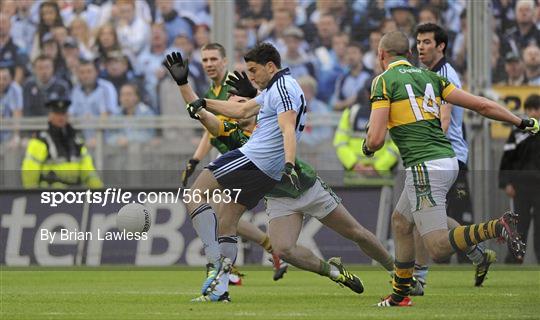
[(292, 175), (194, 107), (530, 125), (368, 153), (241, 86), (188, 171), (178, 68)]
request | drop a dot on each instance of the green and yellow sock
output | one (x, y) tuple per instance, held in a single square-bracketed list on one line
[(463, 237), (266, 244), (401, 284)]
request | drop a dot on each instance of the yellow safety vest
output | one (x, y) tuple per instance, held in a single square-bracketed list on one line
[(44, 167)]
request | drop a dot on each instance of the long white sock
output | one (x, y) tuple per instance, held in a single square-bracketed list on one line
[(228, 246), (205, 224), (476, 254)]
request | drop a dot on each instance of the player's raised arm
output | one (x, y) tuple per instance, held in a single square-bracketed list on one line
[(179, 70), (490, 109)]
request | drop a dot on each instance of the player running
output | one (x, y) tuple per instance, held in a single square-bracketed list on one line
[(406, 100), (286, 205)]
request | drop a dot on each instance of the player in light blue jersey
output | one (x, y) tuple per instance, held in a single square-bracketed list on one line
[(254, 169), (431, 41)]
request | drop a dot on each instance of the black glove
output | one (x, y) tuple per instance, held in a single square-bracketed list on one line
[(194, 107), (530, 125), (241, 86), (178, 68), (292, 175), (188, 171), (368, 153)]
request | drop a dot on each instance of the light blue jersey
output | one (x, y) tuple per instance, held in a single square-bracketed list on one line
[(455, 129), (265, 147)]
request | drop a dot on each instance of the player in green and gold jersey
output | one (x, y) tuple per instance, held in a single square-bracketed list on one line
[(405, 100), (286, 206)]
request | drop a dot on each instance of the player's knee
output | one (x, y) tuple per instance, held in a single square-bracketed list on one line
[(400, 224), (437, 252)]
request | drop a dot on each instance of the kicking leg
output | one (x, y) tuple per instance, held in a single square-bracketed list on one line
[(341, 221), (284, 232)]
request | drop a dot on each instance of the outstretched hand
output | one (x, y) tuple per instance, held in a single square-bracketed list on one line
[(241, 86), (178, 68)]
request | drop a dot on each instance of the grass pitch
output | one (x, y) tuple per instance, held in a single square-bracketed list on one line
[(123, 293)]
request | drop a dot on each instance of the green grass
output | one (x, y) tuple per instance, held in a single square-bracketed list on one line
[(118, 293)]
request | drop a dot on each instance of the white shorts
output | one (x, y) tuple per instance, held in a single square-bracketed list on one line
[(423, 200), (318, 201)]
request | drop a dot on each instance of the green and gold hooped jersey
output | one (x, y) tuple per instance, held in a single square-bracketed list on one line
[(413, 96), (232, 137)]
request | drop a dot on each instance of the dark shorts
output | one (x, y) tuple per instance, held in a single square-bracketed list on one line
[(234, 170)]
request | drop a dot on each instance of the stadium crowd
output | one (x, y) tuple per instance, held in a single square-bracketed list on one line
[(105, 55)]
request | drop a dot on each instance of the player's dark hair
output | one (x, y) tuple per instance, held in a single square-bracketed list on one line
[(263, 53), (215, 46), (532, 102), (439, 33)]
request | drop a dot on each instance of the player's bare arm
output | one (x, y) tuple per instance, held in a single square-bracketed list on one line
[(287, 123), (446, 116), (378, 122), (233, 109), (210, 122)]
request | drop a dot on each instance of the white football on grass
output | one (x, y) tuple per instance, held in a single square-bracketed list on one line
[(133, 217)]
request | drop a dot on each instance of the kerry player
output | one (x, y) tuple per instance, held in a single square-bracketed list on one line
[(406, 100)]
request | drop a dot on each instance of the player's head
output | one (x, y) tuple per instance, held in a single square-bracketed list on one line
[(247, 123), (431, 42), (532, 106), (392, 44), (214, 61), (263, 62)]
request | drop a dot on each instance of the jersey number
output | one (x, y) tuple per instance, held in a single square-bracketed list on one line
[(300, 117), (429, 103)]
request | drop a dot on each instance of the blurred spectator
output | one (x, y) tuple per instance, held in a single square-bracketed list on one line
[(241, 46), (201, 35), (60, 33), (255, 13), (11, 104), (92, 96), (49, 17), (370, 57), (196, 72), (403, 15), (273, 30), (131, 106), (531, 58), (106, 42), (316, 109), (459, 50), (504, 14), (515, 73), (354, 81), (368, 17), (71, 54), (519, 177), (111, 11), (388, 25), (296, 59), (174, 24), (119, 71), (525, 32), (81, 9), (133, 31), (150, 62), (11, 55), (328, 50), (79, 30), (497, 63), (43, 86), (23, 28), (450, 13), (8, 7), (51, 49)]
